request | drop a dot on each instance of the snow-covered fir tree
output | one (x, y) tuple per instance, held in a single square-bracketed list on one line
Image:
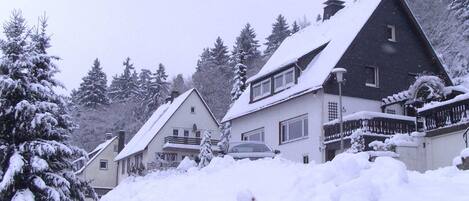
[(239, 81), (144, 81), (280, 31), (35, 156), (93, 90), (125, 86), (179, 84), (225, 137), (295, 27), (206, 153), (247, 43), (157, 91), (357, 142)]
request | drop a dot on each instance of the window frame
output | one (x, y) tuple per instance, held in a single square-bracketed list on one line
[(186, 133), (331, 111), (304, 128), (284, 85), (392, 29), (376, 76), (260, 131), (105, 162), (175, 132), (263, 93)]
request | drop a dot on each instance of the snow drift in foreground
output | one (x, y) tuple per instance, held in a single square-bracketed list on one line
[(349, 177)]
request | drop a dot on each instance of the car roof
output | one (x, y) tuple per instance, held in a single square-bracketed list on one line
[(246, 142)]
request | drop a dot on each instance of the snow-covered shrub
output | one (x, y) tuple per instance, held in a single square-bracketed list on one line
[(357, 142), (186, 164), (206, 153), (391, 143)]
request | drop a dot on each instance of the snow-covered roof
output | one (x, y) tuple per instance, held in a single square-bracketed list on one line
[(336, 33), (432, 105), (154, 124), (371, 115), (395, 98), (96, 151)]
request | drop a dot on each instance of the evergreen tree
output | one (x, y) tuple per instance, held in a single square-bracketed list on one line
[(295, 28), (225, 137), (247, 43), (240, 78), (280, 31), (93, 90), (178, 84), (144, 82), (158, 90), (35, 157), (304, 22), (206, 153), (125, 86), (219, 53), (357, 142)]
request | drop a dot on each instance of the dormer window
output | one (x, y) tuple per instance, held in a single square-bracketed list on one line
[(261, 89), (284, 79), (391, 33)]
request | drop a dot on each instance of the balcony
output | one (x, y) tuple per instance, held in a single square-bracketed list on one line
[(444, 114), (371, 123), (175, 142)]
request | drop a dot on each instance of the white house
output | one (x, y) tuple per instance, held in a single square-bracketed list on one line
[(170, 134), (101, 169), (289, 102)]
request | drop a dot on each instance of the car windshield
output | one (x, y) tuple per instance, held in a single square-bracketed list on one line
[(249, 147)]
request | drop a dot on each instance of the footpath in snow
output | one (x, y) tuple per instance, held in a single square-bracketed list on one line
[(349, 177)]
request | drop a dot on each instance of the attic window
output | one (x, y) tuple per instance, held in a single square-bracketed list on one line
[(372, 78), (192, 110), (261, 89), (391, 33), (284, 79), (103, 164)]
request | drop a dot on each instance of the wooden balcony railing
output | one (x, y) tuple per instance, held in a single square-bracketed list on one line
[(445, 114), (378, 125), (186, 140)]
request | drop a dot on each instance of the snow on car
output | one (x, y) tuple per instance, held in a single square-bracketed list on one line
[(251, 150)]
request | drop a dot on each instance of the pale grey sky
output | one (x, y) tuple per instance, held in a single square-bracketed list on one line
[(172, 32)]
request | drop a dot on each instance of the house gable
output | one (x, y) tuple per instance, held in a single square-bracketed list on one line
[(397, 62)]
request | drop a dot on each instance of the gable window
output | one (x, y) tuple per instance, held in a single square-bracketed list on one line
[(372, 78), (391, 33), (103, 164), (186, 133), (293, 129), (284, 79), (175, 132), (255, 135), (261, 89), (332, 110), (192, 110)]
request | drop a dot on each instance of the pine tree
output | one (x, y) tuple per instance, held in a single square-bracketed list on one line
[(206, 153), (144, 82), (35, 157), (225, 137), (219, 53), (295, 28), (93, 90), (240, 78), (178, 84), (125, 86), (246, 42), (158, 90), (280, 31)]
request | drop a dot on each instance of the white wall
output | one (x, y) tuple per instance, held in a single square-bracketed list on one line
[(106, 178), (182, 118), (442, 149), (351, 105)]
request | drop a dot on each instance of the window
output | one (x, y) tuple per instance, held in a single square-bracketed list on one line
[(371, 74), (255, 135), (305, 159), (261, 89), (186, 133), (175, 132), (192, 109), (197, 134), (294, 128), (390, 111), (284, 79), (103, 164), (332, 111), (391, 33)]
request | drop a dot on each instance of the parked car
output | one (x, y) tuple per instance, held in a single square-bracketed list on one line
[(251, 150)]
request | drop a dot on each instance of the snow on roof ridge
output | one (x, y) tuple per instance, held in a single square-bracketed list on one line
[(337, 32), (432, 105), (153, 125), (98, 149)]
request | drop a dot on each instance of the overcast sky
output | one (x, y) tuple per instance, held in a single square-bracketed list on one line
[(148, 31)]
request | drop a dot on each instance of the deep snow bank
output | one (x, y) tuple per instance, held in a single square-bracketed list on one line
[(347, 178)]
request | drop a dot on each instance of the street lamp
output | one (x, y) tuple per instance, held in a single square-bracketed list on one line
[(339, 76)]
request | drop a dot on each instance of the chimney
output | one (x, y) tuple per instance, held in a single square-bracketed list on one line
[(174, 94), (331, 8), (107, 136), (121, 141)]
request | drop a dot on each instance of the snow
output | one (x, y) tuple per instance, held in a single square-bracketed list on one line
[(16, 166), (153, 125), (432, 105), (370, 115), (186, 164), (348, 177), (23, 195), (337, 34), (464, 153)]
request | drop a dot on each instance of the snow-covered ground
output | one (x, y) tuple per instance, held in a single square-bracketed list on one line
[(349, 177)]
